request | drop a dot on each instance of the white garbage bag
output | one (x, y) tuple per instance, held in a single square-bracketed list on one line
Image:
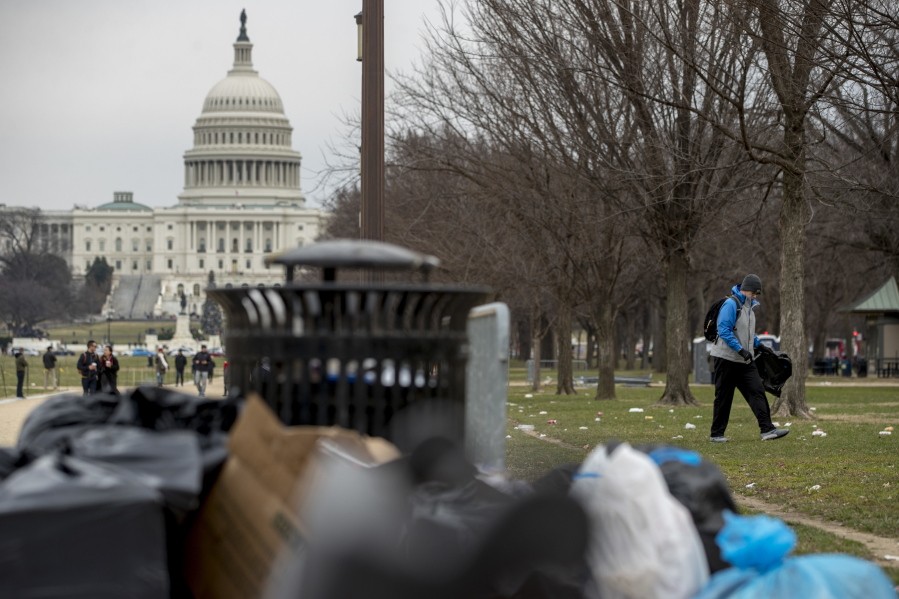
[(644, 544)]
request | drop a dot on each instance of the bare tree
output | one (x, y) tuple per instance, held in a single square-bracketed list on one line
[(34, 285)]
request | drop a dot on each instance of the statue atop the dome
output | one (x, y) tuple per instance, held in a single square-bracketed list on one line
[(243, 27)]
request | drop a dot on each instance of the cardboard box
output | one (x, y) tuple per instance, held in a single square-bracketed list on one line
[(251, 519)]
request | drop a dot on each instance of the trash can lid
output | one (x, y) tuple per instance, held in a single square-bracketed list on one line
[(353, 253)]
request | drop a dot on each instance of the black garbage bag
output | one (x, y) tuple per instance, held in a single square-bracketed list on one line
[(52, 423), (169, 461), (159, 408), (533, 550), (775, 368), (11, 459), (74, 529), (458, 537), (57, 422), (701, 487)]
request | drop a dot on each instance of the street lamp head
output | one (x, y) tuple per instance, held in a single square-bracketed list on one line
[(359, 36)]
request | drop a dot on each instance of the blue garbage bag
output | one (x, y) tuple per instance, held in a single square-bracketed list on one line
[(757, 546)]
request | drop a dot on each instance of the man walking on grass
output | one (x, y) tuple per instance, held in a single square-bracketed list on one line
[(732, 358), (201, 362)]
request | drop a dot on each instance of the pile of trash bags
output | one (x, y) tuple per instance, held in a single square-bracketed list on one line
[(103, 495)]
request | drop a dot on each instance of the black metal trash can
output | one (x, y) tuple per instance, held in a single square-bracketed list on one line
[(350, 354)]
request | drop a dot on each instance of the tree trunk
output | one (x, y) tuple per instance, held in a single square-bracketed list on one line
[(660, 340), (794, 216), (677, 386), (629, 342), (591, 347), (525, 332), (605, 324), (565, 384), (537, 332)]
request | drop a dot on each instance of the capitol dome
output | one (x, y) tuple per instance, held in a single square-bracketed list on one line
[(247, 92), (242, 141)]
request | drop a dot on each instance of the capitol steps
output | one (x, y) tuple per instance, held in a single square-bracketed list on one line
[(135, 296)]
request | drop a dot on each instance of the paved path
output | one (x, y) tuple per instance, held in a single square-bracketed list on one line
[(13, 411)]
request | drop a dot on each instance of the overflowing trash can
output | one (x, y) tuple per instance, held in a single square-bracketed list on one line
[(348, 353)]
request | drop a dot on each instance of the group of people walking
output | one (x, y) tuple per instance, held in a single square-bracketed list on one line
[(202, 367), (99, 371)]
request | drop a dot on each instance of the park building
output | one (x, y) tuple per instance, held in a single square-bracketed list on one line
[(241, 201)]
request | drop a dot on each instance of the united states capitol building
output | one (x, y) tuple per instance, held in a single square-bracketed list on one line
[(241, 201)]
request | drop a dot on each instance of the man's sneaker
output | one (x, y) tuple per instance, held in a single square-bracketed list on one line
[(775, 434), (719, 439)]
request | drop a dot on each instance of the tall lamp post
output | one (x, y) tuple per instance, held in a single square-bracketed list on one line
[(108, 334), (370, 51)]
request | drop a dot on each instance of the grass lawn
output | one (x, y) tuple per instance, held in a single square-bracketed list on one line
[(122, 332), (132, 372), (849, 476)]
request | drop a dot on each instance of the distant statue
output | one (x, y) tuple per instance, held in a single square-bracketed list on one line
[(183, 302), (243, 27)]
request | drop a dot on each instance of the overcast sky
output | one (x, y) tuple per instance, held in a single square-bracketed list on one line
[(98, 96)]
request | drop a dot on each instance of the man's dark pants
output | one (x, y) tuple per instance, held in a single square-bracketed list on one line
[(179, 377), (20, 380), (731, 376), (89, 385)]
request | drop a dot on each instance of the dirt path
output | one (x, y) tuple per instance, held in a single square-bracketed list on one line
[(880, 547), (885, 551)]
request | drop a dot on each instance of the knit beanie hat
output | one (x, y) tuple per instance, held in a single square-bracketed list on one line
[(751, 283)]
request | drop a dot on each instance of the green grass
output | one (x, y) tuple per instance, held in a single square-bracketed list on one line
[(132, 372), (855, 467), (121, 332)]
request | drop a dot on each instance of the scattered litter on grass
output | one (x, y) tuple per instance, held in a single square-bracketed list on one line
[(542, 435), (750, 486), (889, 428), (671, 411), (826, 383), (508, 436), (777, 424), (635, 410), (892, 558), (543, 412), (677, 437), (599, 413), (814, 488), (583, 428), (788, 424), (529, 395), (813, 409), (698, 416), (689, 426), (647, 418), (818, 433), (525, 427), (597, 420), (552, 421), (885, 433)]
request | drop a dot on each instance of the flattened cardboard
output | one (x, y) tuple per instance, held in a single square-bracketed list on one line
[(252, 513)]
